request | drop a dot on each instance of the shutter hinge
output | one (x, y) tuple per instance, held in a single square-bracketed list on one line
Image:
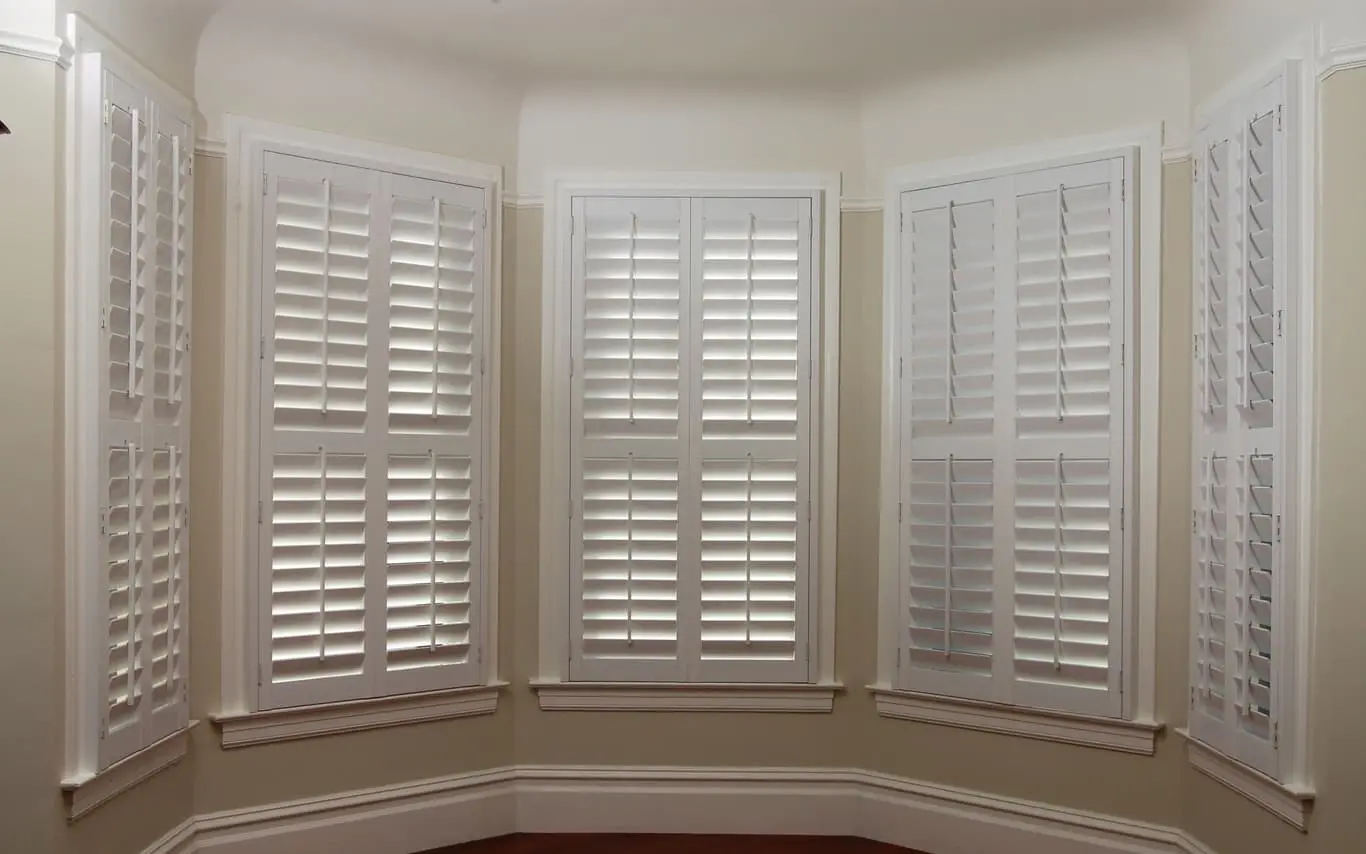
[(899, 507), (1123, 190), (1280, 323), (571, 508), (104, 317), (1278, 528), (265, 183), (1276, 735), (1123, 353), (260, 512), (481, 511), (901, 368), (571, 368), (572, 219), (481, 364), (808, 509), (1121, 519), (1195, 344), (108, 109), (1192, 696), (104, 520), (1280, 117), (260, 680), (903, 221), (104, 730), (261, 349), (1195, 521), (484, 219)]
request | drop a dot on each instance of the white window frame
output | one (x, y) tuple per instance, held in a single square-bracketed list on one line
[(552, 679), (1135, 731), (1290, 793), (85, 784), (240, 720)]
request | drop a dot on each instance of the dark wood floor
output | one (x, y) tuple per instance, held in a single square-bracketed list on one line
[(642, 844)]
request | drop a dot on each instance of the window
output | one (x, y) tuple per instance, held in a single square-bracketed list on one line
[(129, 337), (1244, 682), (1010, 450), (360, 436), (692, 440), (371, 471)]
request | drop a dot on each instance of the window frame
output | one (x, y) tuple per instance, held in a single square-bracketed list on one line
[(552, 682), (1136, 728), (85, 783), (239, 717)]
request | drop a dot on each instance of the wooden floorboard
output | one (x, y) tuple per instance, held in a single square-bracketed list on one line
[(524, 843)]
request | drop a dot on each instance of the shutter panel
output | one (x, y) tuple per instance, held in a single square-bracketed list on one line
[(316, 340), (1236, 548), (435, 412), (950, 251), (628, 442), (752, 303), (126, 516), (1012, 499), (1070, 418), (171, 426)]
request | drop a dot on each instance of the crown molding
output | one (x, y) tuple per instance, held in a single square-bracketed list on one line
[(850, 204), (42, 48), (1175, 154), (1340, 58)]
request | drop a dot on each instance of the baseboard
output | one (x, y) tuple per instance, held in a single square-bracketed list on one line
[(415, 817)]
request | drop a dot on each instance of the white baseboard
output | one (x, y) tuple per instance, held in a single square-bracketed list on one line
[(415, 817)]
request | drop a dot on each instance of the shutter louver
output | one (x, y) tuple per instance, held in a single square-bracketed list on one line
[(631, 280), (317, 543), (372, 377), (951, 579), (1012, 500), (431, 515), (1237, 539), (953, 296), (125, 549), (753, 306)]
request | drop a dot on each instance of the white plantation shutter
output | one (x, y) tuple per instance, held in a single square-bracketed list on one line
[(751, 343), (1238, 564), (691, 436), (951, 249), (1013, 438), (630, 387), (144, 426), (370, 458)]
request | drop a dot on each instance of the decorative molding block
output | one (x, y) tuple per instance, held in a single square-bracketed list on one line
[(654, 697), (86, 792), (244, 730), (1289, 803), (43, 48), (1105, 733)]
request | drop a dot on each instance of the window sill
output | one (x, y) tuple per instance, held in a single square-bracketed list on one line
[(679, 697), (245, 730), (1088, 731), (88, 791), (1289, 803)]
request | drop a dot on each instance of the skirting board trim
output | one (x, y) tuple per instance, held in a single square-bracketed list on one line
[(412, 817)]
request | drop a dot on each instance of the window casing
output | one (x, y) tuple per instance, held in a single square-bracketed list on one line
[(369, 458), (686, 442), (1015, 440)]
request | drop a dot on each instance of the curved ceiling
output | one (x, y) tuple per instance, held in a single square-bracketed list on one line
[(828, 42)]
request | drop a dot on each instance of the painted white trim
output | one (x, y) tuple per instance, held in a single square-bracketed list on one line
[(248, 140), (1139, 665), (413, 817), (1289, 803), (524, 200), (855, 205), (660, 697), (207, 147), (43, 48), (1086, 730), (244, 730), (88, 791), (177, 840), (553, 573), (1175, 154)]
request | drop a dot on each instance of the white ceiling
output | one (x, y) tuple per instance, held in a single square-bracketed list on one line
[(830, 42)]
